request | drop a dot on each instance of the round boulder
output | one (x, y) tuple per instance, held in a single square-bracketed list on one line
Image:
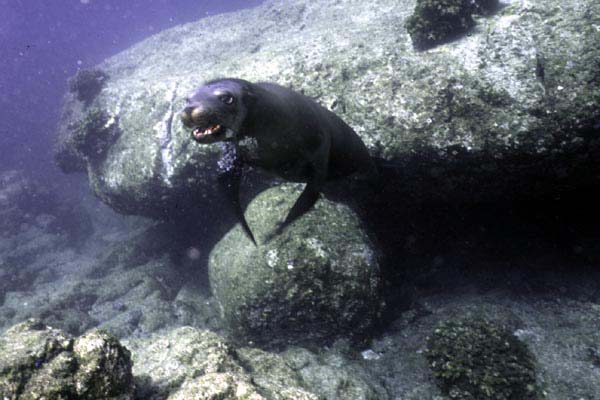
[(317, 280)]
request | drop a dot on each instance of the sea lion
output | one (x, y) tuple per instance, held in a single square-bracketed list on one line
[(272, 127)]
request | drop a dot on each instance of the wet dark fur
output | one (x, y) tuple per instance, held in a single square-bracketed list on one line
[(290, 135)]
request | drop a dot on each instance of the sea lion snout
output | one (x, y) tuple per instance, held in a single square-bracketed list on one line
[(192, 114), (186, 117), (215, 112)]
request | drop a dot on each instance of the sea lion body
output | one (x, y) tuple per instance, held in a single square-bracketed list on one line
[(280, 131), (293, 133)]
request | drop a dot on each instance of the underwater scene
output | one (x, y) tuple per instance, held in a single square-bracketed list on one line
[(300, 199)]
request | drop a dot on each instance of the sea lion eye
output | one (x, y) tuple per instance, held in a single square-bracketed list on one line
[(227, 99)]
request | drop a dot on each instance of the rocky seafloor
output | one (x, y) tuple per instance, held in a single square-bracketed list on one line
[(66, 305), (472, 274)]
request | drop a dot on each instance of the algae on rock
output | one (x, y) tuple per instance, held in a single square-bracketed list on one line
[(476, 359), (317, 280), (87, 84), (37, 362), (435, 21), (186, 363)]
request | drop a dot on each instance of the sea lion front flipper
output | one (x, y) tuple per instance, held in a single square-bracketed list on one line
[(309, 196), (305, 202), (229, 180)]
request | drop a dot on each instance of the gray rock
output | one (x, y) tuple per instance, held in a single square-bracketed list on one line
[(317, 280), (104, 367), (26, 349), (331, 375), (166, 360), (39, 362), (335, 374), (510, 110), (273, 375), (29, 207), (187, 363), (220, 386)]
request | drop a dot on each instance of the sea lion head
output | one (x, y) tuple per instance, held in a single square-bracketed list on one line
[(216, 110)]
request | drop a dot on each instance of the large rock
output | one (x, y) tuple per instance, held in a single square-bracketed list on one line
[(317, 280), (509, 110)]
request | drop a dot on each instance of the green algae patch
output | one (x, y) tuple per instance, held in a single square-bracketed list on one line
[(477, 360), (317, 280)]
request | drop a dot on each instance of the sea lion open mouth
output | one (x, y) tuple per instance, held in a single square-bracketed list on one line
[(211, 134), (211, 130)]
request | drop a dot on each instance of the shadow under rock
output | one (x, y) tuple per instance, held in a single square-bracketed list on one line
[(547, 244)]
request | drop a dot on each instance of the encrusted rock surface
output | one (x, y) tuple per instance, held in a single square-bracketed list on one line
[(39, 362), (474, 359), (509, 110), (319, 279), (186, 363)]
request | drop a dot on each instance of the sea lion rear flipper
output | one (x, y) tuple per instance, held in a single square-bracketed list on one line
[(230, 184)]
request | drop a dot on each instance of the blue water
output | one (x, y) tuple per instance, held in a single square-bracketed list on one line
[(43, 43)]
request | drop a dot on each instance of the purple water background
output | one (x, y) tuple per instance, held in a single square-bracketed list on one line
[(44, 42)]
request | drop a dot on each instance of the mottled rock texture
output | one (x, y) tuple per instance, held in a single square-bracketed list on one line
[(317, 280), (510, 110), (477, 359), (39, 362), (189, 363), (438, 21)]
